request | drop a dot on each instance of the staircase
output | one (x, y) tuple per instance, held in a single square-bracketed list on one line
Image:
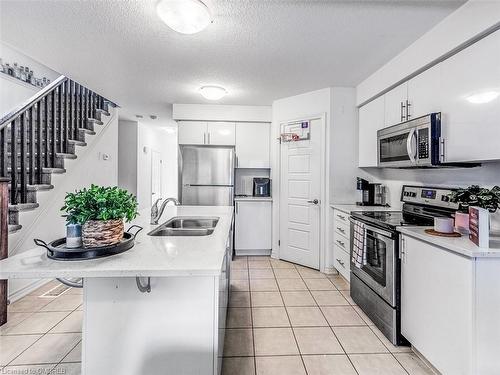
[(40, 135)]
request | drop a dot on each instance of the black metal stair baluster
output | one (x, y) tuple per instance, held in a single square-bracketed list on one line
[(53, 128), (60, 119), (80, 116), (46, 117), (39, 149), (94, 104), (3, 156), (85, 108), (32, 147), (66, 112), (70, 109), (13, 162), (23, 180)]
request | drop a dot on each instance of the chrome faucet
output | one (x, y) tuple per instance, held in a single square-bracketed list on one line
[(155, 215)]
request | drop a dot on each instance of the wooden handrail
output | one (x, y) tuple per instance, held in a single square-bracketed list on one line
[(9, 117), (4, 248)]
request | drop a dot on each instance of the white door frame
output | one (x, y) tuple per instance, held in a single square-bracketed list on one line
[(324, 196)]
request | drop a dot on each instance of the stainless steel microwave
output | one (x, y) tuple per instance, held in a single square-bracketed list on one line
[(414, 143)]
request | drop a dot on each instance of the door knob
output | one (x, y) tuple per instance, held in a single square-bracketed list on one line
[(314, 201)]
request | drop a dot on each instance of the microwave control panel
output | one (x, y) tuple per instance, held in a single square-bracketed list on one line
[(423, 144)]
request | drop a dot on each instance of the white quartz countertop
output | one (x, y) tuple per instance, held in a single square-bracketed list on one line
[(460, 245), (348, 208), (253, 199), (151, 256)]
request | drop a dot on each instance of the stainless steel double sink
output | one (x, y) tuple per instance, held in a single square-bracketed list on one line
[(186, 226)]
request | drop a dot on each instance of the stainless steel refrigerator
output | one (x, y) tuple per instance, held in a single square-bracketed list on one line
[(206, 175)]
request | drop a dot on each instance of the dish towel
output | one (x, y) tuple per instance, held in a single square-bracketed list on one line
[(359, 245)]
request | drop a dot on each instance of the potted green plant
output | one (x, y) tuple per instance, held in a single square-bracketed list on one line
[(101, 211), (479, 197)]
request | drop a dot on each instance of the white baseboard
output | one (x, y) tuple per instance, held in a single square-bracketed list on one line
[(27, 289), (252, 252)]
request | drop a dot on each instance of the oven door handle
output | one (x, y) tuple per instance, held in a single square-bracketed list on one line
[(373, 229), (409, 146)]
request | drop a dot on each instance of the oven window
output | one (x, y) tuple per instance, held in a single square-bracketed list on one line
[(376, 250), (394, 148)]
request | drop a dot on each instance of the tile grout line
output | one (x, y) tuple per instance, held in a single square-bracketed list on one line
[(42, 335), (251, 318)]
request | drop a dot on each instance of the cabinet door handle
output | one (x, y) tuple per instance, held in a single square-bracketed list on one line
[(237, 161), (341, 230), (236, 207), (408, 105), (340, 262), (208, 138), (204, 138), (341, 243), (402, 111)]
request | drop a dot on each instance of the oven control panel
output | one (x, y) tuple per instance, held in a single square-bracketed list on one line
[(432, 196)]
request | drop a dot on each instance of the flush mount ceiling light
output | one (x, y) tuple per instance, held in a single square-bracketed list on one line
[(213, 92), (483, 97), (184, 16)]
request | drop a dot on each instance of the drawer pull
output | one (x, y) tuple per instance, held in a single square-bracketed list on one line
[(340, 262), (341, 217), (341, 243), (341, 230)]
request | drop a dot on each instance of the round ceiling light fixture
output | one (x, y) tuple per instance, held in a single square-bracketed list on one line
[(213, 92), (184, 16)]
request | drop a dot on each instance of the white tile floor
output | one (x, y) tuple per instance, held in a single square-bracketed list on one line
[(282, 319)]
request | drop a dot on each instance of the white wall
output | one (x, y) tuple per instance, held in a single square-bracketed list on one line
[(127, 155), (90, 167), (14, 92), (218, 112), (472, 18), (163, 140)]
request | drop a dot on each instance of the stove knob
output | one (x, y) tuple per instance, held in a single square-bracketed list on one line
[(445, 198)]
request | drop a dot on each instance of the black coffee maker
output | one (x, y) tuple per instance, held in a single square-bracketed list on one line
[(261, 187), (366, 192)]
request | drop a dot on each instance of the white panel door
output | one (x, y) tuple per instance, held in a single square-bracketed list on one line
[(371, 119), (253, 225), (252, 145), (192, 132), (395, 105), (471, 102), (221, 133), (436, 305), (300, 192)]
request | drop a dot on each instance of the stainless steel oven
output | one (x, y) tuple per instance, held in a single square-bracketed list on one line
[(414, 143), (380, 269)]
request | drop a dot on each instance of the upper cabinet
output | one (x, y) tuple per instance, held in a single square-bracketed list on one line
[(424, 93), (470, 102), (395, 105), (371, 119), (221, 133), (192, 132), (253, 145), (206, 133)]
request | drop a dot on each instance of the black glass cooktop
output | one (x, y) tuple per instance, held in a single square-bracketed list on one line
[(390, 219)]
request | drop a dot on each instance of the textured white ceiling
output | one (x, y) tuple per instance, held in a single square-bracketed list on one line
[(259, 50)]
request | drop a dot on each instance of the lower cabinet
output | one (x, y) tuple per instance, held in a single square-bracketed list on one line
[(450, 306), (253, 227), (341, 243)]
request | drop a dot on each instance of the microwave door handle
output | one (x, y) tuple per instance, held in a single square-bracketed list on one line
[(409, 145)]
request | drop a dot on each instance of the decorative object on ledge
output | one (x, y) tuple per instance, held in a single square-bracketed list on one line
[(73, 236), (23, 73), (58, 249), (489, 199), (101, 211)]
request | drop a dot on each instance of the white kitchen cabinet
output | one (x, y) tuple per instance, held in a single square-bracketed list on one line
[(192, 132), (253, 227), (253, 145), (206, 133), (221, 133), (436, 305), (341, 243), (424, 93), (395, 105), (471, 129), (371, 119)]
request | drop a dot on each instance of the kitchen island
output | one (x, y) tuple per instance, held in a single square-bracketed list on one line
[(177, 327)]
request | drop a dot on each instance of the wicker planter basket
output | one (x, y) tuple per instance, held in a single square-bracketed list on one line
[(97, 233)]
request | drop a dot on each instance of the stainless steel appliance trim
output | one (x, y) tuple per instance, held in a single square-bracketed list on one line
[(374, 229), (409, 148)]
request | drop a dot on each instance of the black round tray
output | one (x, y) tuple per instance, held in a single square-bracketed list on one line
[(57, 249)]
